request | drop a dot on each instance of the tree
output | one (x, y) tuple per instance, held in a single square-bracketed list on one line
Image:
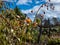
[(10, 25), (55, 21), (19, 13), (47, 5)]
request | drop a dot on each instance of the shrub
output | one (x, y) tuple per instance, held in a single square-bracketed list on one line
[(54, 41)]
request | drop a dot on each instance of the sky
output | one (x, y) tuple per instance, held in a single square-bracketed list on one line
[(27, 5)]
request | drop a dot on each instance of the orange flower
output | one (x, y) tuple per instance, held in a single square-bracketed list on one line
[(35, 24), (28, 20)]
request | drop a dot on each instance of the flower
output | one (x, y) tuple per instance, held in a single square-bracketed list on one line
[(35, 24), (18, 16), (28, 20), (18, 39), (27, 24), (12, 30)]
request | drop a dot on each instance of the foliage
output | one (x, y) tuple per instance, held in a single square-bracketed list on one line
[(16, 29), (54, 41), (13, 29)]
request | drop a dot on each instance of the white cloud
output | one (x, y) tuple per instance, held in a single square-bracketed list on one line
[(19, 1), (57, 8), (53, 1), (35, 8), (28, 12), (49, 13), (23, 1), (56, 1), (56, 11), (37, 2), (10, 0)]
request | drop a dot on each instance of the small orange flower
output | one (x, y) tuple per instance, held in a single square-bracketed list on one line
[(35, 24), (28, 20)]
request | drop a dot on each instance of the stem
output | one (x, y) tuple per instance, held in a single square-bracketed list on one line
[(40, 33)]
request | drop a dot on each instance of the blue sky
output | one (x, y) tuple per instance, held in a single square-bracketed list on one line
[(27, 5)]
